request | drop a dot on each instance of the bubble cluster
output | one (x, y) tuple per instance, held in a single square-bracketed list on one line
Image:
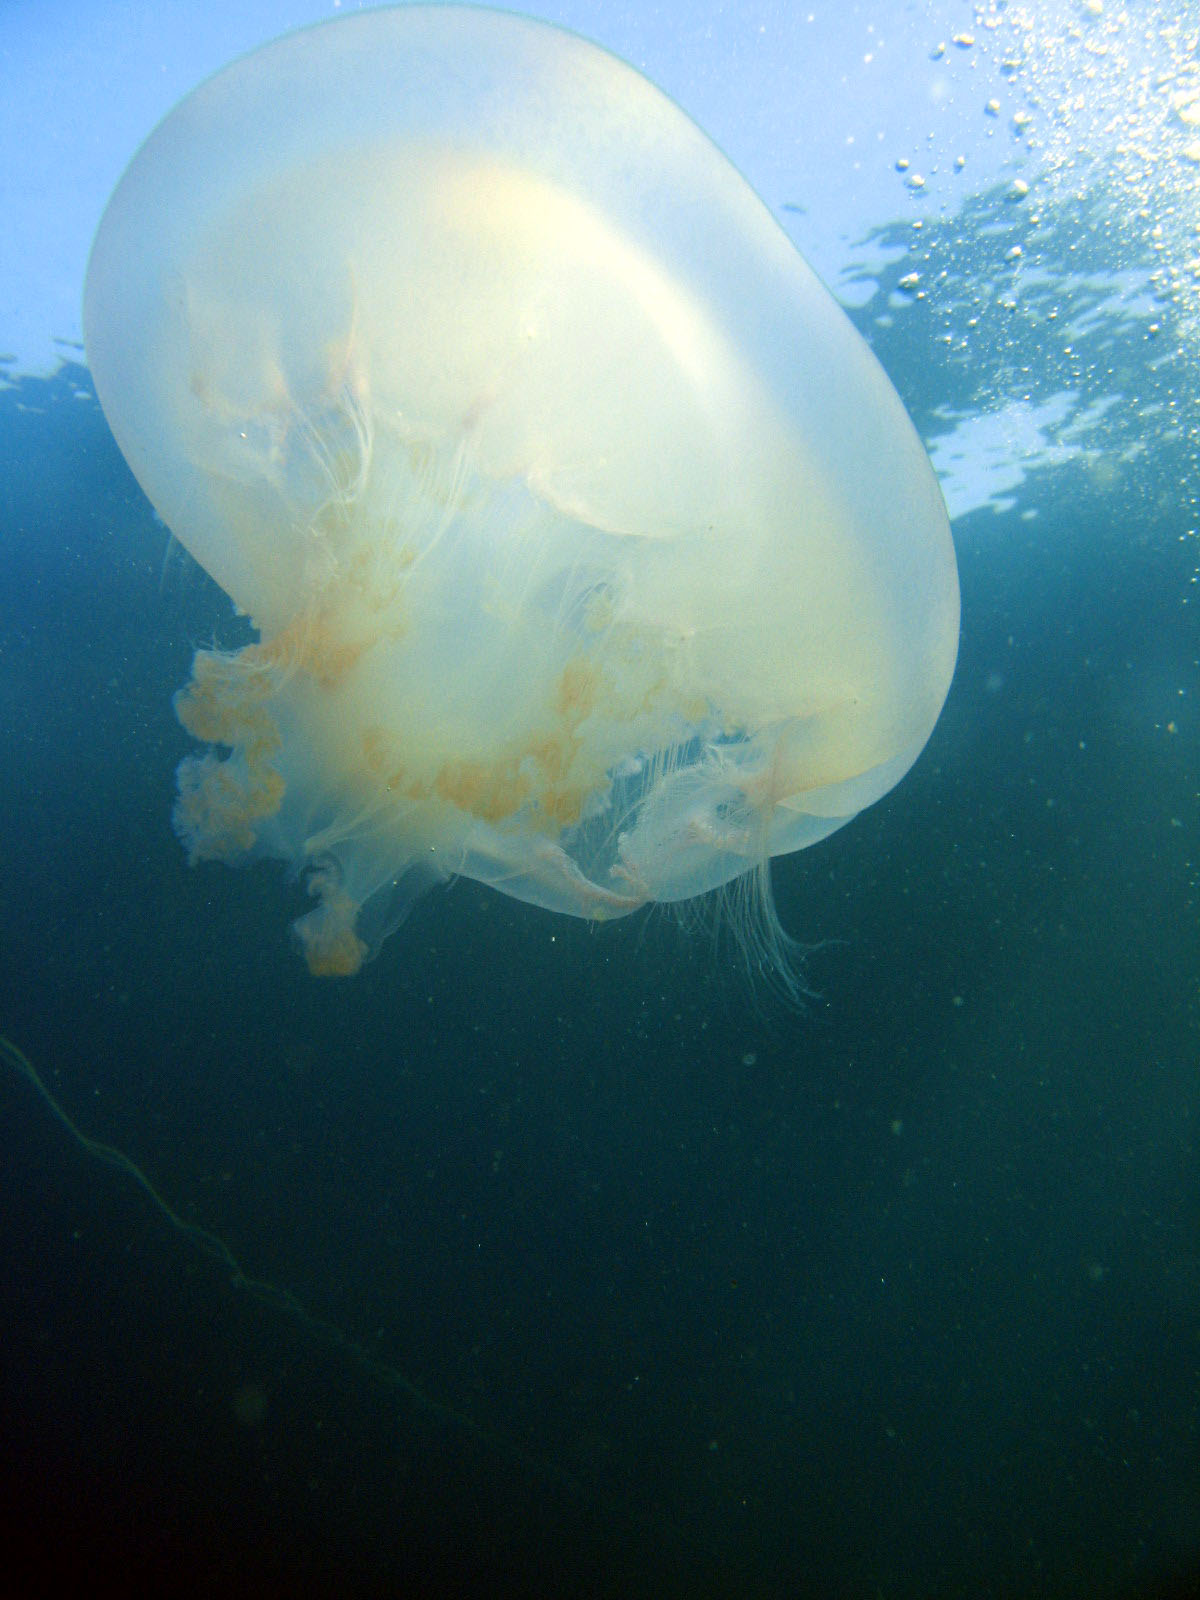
[(1070, 290)]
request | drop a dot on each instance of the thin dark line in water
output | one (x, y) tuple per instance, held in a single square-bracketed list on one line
[(320, 1328)]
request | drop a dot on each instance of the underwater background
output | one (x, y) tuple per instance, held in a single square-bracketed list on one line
[(559, 1259)]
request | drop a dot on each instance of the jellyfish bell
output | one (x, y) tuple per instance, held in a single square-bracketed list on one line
[(591, 553)]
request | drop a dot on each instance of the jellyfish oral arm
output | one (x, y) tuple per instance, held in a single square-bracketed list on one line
[(547, 876)]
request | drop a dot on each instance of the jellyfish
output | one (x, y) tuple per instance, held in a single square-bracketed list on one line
[(590, 552)]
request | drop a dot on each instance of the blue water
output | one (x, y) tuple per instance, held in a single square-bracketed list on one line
[(582, 1265)]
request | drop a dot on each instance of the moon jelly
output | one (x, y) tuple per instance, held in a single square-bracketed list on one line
[(590, 551)]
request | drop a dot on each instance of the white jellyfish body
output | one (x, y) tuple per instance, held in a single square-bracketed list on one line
[(591, 552)]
